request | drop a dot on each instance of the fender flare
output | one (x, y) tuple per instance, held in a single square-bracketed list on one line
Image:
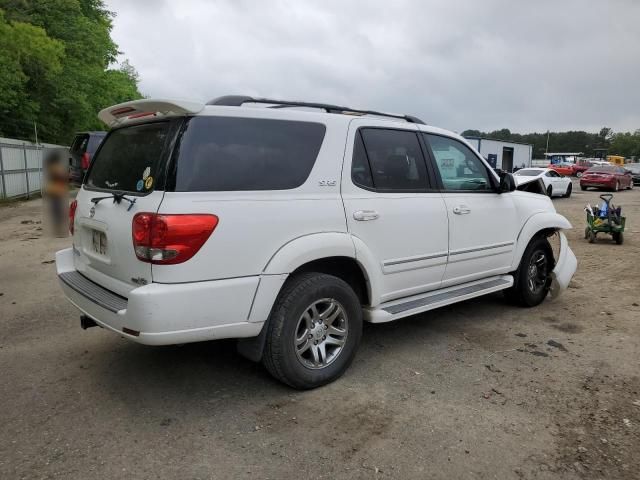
[(535, 224), (308, 248)]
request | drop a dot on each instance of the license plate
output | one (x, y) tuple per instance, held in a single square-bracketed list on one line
[(99, 242)]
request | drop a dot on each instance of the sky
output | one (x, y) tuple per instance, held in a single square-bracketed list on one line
[(523, 65)]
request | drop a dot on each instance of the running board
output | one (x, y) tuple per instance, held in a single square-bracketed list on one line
[(405, 307)]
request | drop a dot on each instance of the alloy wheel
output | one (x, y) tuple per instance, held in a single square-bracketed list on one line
[(537, 271), (321, 333)]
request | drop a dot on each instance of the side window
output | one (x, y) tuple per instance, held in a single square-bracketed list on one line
[(552, 174), (395, 159), (360, 170), (459, 168)]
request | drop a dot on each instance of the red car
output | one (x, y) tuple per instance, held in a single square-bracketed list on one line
[(581, 167), (610, 177), (562, 168)]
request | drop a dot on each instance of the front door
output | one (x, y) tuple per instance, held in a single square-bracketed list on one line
[(391, 207), (482, 223)]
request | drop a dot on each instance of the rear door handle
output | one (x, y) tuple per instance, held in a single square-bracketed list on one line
[(365, 215), (461, 210)]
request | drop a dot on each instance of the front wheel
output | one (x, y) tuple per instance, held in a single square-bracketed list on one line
[(583, 188), (568, 192), (532, 280), (314, 331)]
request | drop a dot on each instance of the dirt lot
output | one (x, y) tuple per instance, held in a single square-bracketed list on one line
[(476, 390)]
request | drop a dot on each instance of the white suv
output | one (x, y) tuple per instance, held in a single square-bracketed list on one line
[(288, 224)]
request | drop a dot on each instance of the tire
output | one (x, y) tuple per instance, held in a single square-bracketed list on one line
[(549, 191), (586, 232), (526, 293), (618, 237), (583, 188), (568, 192), (630, 187), (592, 237), (616, 187), (579, 174), (299, 364)]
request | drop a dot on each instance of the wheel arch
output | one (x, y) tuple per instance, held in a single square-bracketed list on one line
[(543, 223)]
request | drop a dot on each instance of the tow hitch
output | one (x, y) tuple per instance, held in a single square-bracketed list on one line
[(86, 322)]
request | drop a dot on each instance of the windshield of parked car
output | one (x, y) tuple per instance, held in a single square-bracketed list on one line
[(528, 173), (130, 159)]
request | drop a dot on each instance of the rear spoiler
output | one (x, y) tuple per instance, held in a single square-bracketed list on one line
[(124, 112)]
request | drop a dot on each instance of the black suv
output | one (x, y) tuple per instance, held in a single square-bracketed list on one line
[(82, 149)]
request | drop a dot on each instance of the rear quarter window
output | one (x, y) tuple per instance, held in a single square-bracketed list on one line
[(240, 154)]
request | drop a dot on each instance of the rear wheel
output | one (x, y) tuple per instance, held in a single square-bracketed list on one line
[(630, 187), (618, 237), (314, 331), (616, 187), (592, 236), (586, 232), (582, 187), (533, 277)]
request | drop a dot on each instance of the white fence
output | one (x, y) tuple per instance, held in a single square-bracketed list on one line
[(21, 167)]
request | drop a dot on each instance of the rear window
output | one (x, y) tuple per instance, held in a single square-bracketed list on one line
[(233, 154), (80, 144), (603, 169), (528, 173), (131, 159)]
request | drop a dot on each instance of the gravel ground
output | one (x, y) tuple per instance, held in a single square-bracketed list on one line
[(475, 390)]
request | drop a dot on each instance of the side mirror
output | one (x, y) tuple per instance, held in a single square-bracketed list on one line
[(507, 183)]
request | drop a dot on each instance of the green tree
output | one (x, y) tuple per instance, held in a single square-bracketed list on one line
[(80, 79)]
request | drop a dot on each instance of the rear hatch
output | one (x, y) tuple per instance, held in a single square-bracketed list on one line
[(126, 177)]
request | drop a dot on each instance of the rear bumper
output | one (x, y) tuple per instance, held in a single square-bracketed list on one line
[(165, 314), (566, 266), (593, 183)]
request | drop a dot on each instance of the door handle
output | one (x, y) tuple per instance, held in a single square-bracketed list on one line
[(365, 215), (461, 210)]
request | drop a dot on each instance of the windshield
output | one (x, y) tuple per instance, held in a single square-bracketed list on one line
[(131, 159), (528, 173)]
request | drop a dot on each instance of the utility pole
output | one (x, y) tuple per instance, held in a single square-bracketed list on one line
[(547, 142)]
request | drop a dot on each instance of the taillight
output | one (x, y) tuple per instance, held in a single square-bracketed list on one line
[(85, 160), (72, 215), (170, 239)]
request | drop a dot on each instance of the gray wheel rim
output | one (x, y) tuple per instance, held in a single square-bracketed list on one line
[(537, 272), (321, 333)]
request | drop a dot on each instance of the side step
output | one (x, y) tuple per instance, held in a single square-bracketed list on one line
[(405, 307)]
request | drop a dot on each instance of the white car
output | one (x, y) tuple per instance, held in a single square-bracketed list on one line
[(287, 228), (554, 184)]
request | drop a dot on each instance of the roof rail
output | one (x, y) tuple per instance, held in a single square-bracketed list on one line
[(239, 100)]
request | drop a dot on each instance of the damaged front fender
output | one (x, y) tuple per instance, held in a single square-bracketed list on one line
[(566, 266)]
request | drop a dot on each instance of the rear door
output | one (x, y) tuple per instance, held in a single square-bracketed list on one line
[(392, 208), (130, 163)]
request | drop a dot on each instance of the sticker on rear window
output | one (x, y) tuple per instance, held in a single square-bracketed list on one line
[(148, 183), (139, 185), (146, 173)]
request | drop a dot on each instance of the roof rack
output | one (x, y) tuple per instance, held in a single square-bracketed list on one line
[(239, 100)]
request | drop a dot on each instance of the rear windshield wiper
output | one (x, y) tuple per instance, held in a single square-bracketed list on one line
[(117, 198)]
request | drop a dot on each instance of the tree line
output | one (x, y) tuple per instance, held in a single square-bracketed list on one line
[(626, 144), (58, 68)]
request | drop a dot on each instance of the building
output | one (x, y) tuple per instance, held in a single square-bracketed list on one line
[(503, 155)]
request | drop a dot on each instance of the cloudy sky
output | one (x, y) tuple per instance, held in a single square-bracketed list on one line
[(522, 65)]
